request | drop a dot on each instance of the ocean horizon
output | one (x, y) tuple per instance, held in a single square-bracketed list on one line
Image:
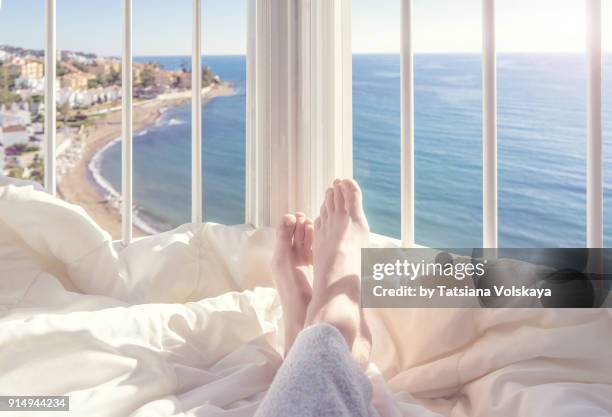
[(541, 149)]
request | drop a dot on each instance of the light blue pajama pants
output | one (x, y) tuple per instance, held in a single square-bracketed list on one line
[(318, 378)]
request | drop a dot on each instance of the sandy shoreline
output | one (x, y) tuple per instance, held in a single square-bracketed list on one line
[(76, 184)]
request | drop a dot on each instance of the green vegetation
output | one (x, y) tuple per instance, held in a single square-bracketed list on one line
[(36, 98), (7, 85), (93, 83), (6, 97), (64, 111), (114, 78), (109, 79), (37, 169), (176, 82), (60, 69), (21, 148), (79, 123), (207, 77), (16, 172), (69, 118), (147, 77)]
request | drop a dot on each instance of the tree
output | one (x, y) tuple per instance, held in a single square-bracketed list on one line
[(37, 169), (6, 97), (7, 78), (102, 79), (207, 77), (64, 110), (61, 71), (147, 77), (176, 81), (94, 83), (114, 77)]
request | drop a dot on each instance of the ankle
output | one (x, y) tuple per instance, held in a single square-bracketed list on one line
[(340, 312)]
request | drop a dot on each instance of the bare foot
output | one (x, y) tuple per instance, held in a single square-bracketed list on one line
[(340, 233), (292, 267)]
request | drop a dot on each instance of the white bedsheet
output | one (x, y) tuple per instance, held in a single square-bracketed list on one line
[(186, 323)]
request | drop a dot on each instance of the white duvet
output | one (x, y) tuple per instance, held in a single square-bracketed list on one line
[(186, 323)]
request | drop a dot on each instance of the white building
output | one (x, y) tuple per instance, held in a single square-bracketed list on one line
[(73, 56), (87, 98), (79, 98), (12, 135), (36, 84), (4, 56), (15, 116)]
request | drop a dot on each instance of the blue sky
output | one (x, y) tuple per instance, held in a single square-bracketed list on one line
[(163, 27)]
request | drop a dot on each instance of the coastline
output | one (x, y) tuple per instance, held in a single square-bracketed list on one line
[(81, 184)]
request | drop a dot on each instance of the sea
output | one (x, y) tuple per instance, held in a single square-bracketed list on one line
[(541, 149)]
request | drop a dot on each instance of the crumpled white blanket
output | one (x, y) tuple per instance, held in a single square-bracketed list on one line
[(186, 323)]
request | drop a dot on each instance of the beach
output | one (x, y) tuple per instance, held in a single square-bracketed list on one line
[(77, 184)]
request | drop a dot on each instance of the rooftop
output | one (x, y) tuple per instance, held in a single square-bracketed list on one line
[(13, 129)]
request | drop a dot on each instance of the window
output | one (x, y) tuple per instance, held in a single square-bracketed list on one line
[(542, 123), (88, 108), (22, 89), (224, 117), (162, 115), (376, 113), (448, 123), (447, 106), (541, 86)]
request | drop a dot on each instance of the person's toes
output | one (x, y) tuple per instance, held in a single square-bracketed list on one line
[(352, 196), (329, 200), (351, 186), (308, 234), (308, 237), (339, 197), (317, 223), (323, 213), (298, 236), (286, 229)]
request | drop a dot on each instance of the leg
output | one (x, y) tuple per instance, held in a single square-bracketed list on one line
[(318, 378), (321, 375), (292, 266), (340, 233)]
